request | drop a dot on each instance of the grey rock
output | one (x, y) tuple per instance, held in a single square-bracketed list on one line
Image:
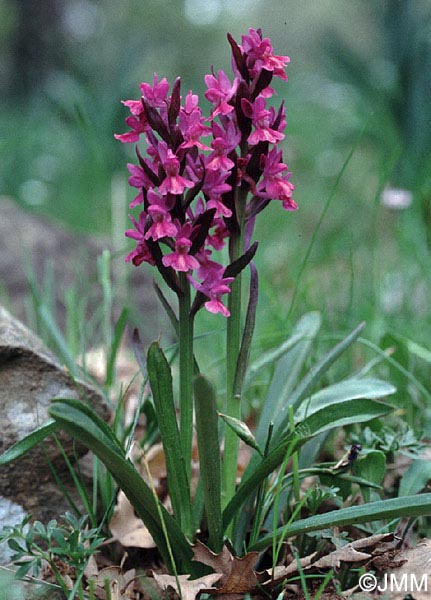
[(30, 376)]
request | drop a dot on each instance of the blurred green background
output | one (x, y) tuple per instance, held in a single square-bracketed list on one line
[(66, 64)]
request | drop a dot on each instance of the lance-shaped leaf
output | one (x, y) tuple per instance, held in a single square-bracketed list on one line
[(209, 457), (168, 308), (148, 172), (90, 430), (259, 84), (204, 221), (159, 374), (394, 508), (238, 265), (175, 102), (168, 274), (244, 121), (156, 121), (238, 58), (247, 335), (330, 417), (254, 167)]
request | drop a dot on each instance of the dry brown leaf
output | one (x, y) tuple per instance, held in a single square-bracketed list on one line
[(118, 583), (127, 528), (272, 577), (238, 574), (189, 588), (349, 553)]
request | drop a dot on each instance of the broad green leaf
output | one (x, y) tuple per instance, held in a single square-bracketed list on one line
[(349, 389), (88, 428), (209, 457), (415, 478), (408, 506), (372, 468), (330, 417), (160, 377), (21, 448)]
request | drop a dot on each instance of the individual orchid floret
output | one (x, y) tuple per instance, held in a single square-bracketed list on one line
[(214, 286), (138, 126), (155, 94), (141, 253), (217, 238), (180, 259), (221, 209), (273, 184), (218, 160), (263, 120), (174, 183), (162, 225), (215, 185), (260, 55), (192, 125), (220, 92)]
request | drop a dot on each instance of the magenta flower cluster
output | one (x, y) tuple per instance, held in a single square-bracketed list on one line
[(197, 169)]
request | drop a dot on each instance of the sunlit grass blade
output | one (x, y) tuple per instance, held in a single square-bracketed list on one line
[(209, 457), (407, 506), (118, 332), (21, 448)]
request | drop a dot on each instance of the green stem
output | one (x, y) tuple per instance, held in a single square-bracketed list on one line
[(233, 343), (186, 372)]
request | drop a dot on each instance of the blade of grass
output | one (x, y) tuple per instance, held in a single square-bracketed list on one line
[(322, 217)]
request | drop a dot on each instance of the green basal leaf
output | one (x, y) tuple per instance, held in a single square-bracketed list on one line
[(21, 448), (160, 377), (349, 389), (89, 429), (209, 457), (372, 467), (408, 506)]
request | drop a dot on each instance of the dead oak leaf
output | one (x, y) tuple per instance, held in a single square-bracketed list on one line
[(190, 588), (237, 574)]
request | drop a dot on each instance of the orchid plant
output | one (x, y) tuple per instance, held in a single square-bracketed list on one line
[(202, 184)]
